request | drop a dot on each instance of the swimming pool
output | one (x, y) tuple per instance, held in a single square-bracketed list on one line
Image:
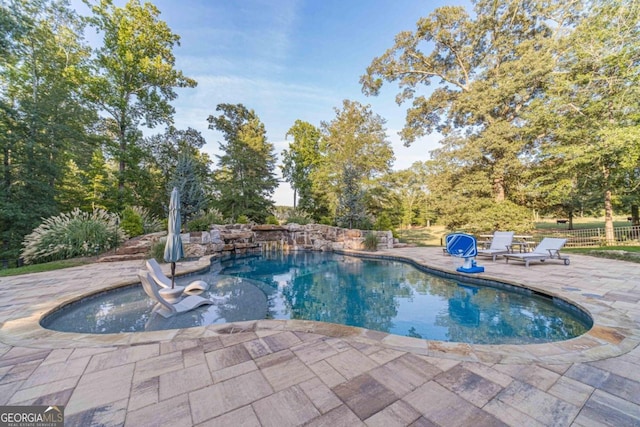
[(382, 295)]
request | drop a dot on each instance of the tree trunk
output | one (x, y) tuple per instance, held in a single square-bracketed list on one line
[(295, 198), (570, 220), (635, 218), (608, 220), (498, 189)]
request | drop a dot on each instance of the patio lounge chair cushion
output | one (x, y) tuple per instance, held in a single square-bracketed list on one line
[(499, 244), (548, 248), (164, 307), (156, 273)]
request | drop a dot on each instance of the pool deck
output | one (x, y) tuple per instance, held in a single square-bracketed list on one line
[(286, 373)]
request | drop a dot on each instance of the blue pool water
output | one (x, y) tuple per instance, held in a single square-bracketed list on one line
[(382, 295)]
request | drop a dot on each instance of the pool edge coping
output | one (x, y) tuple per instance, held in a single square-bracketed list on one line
[(600, 342)]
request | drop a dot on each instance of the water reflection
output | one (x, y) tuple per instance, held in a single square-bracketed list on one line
[(380, 295)]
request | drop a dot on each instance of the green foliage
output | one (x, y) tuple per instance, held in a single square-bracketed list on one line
[(135, 79), (298, 218), (489, 66), (383, 223), (187, 181), (242, 219), (72, 234), (326, 220), (271, 219), (299, 163), (156, 250), (150, 223), (591, 140), (351, 211), (204, 221), (355, 140), (245, 178), (132, 222), (44, 120), (164, 152), (371, 242), (485, 215)]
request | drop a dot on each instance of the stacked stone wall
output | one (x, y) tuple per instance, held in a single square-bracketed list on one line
[(239, 238)]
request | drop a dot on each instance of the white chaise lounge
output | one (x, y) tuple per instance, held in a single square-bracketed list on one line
[(500, 244), (163, 281), (548, 248), (164, 307)]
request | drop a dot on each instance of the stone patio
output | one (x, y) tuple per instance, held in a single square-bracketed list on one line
[(287, 373)]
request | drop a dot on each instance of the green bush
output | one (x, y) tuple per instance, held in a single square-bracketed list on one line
[(242, 219), (157, 250), (204, 221), (297, 219), (326, 220), (484, 216), (132, 222), (150, 223), (272, 220), (72, 234), (371, 242), (383, 223)]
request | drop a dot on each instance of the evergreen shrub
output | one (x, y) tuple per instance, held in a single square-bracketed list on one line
[(272, 220), (132, 222)]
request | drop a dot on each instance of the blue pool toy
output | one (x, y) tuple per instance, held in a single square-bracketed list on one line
[(463, 245)]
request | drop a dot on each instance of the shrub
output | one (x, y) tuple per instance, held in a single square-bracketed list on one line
[(481, 215), (72, 234), (272, 220), (204, 220), (383, 223), (150, 223), (132, 222), (242, 219), (371, 242), (157, 249), (326, 220), (298, 219)]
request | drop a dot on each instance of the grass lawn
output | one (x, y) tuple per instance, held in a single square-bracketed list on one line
[(580, 224), (47, 266), (423, 236)]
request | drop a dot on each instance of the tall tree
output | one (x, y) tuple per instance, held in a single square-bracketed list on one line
[(245, 179), (298, 163), (43, 75), (591, 116), (351, 212), (135, 78), (354, 140), (187, 180), (164, 152), (488, 68)]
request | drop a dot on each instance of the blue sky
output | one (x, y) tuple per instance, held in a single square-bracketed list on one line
[(288, 60)]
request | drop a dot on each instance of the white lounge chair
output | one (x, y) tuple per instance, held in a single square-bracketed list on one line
[(500, 244), (548, 248), (164, 307), (159, 277)]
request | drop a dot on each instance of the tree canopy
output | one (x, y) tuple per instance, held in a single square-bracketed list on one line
[(245, 179)]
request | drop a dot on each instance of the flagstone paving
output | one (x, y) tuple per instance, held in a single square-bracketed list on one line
[(288, 373)]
